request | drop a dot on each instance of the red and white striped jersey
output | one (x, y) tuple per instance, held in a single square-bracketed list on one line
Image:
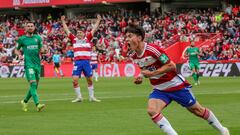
[(82, 48), (94, 57), (152, 58)]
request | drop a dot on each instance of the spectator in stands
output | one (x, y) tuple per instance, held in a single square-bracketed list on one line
[(211, 56)]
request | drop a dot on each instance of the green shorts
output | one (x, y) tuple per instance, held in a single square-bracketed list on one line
[(194, 65), (32, 73)]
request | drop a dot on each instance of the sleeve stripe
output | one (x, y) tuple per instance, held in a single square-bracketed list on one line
[(154, 50)]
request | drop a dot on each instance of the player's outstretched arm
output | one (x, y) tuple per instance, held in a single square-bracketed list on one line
[(96, 24), (65, 27)]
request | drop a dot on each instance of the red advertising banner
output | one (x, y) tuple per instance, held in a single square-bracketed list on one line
[(40, 3), (177, 50), (104, 70)]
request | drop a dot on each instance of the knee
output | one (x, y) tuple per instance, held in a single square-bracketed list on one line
[(33, 84), (33, 89), (152, 111), (89, 81), (75, 83), (198, 111)]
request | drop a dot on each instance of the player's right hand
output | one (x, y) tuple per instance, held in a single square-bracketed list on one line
[(138, 80)]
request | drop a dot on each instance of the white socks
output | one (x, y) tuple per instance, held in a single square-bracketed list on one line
[(91, 91), (212, 120), (95, 75), (78, 92), (164, 124), (166, 127)]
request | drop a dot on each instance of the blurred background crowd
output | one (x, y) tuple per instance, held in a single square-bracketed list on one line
[(162, 29)]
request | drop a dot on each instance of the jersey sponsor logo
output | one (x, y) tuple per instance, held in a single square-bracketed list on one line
[(193, 53), (32, 47), (144, 62), (81, 41)]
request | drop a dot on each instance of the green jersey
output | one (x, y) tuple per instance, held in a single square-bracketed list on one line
[(193, 54), (31, 47)]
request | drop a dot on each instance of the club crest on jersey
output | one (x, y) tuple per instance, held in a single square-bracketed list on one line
[(36, 40), (146, 61)]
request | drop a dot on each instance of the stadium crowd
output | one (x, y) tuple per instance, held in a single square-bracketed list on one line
[(161, 29)]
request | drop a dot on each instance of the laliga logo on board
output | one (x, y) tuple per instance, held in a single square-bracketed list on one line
[(185, 71), (129, 70), (21, 2), (4, 71)]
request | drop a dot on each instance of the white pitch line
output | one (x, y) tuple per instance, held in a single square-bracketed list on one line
[(104, 97), (215, 92), (101, 93), (71, 94), (63, 99)]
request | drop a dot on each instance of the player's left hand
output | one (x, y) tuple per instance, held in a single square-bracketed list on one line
[(138, 80), (147, 73)]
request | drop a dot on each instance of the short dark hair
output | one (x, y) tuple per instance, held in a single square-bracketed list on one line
[(136, 30), (82, 28), (30, 22)]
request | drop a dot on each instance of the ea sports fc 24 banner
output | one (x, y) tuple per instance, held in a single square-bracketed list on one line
[(212, 69)]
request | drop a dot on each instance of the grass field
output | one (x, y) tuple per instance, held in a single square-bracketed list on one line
[(121, 112)]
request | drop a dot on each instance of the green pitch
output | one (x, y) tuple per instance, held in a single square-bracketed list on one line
[(121, 112)]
